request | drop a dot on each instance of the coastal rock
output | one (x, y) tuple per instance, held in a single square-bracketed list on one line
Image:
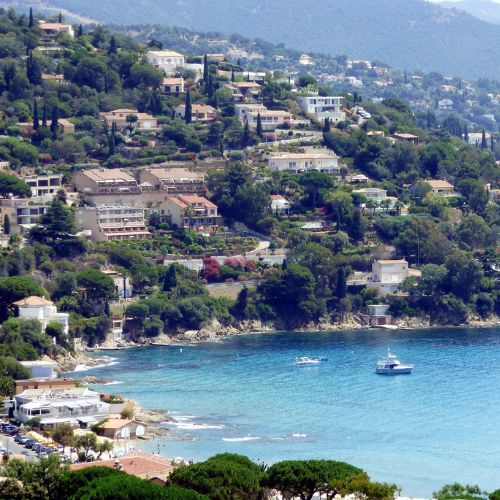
[(92, 379)]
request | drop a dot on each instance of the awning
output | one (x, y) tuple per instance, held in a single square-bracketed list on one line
[(86, 420)]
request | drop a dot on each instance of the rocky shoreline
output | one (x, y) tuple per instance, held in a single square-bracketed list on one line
[(82, 359)]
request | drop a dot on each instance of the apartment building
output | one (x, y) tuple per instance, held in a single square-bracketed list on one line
[(173, 180), (190, 212), (322, 161), (104, 181), (108, 223), (43, 184)]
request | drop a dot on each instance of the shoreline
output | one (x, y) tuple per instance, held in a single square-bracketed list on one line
[(82, 360)]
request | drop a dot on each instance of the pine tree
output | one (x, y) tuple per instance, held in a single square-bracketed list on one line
[(484, 143), (31, 22), (36, 120), (44, 114), (112, 49), (6, 224), (188, 113), (54, 123), (326, 126), (79, 32), (258, 128), (466, 134)]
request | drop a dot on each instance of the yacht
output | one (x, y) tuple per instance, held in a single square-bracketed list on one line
[(392, 366), (304, 360)]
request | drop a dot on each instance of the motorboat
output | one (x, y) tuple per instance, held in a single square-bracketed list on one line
[(392, 366), (305, 360)]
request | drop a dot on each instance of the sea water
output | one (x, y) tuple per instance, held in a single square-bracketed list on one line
[(245, 395)]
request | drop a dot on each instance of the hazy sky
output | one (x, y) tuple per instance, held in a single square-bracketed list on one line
[(437, 1)]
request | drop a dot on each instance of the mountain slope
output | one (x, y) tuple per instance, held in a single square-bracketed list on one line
[(482, 9), (404, 33)]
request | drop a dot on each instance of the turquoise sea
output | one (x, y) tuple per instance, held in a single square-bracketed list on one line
[(243, 394)]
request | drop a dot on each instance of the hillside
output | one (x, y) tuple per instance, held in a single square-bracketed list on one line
[(482, 9), (409, 34)]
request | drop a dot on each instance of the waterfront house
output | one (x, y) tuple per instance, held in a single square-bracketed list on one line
[(112, 222), (119, 428), (76, 406), (387, 275), (40, 369), (45, 383), (376, 315), (43, 310), (320, 160), (122, 282), (169, 61), (199, 112), (190, 212)]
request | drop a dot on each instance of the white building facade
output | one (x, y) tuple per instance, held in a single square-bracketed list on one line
[(323, 107), (43, 310), (169, 61)]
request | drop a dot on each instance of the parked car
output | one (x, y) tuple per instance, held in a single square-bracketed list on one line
[(30, 443)]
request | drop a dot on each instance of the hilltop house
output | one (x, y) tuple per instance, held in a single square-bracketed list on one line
[(172, 86), (444, 188), (321, 108), (169, 61), (65, 126), (43, 310), (199, 112), (280, 205), (56, 28), (107, 223), (173, 180), (320, 160), (190, 212)]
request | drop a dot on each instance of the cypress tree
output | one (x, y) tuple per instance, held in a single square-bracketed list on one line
[(36, 120), (326, 126), (484, 143), (30, 23), (245, 138), (233, 78), (466, 134), (210, 86), (79, 32), (170, 280), (112, 46), (221, 146), (205, 70), (248, 77), (406, 77), (258, 129), (188, 114), (54, 123), (44, 114), (238, 62), (6, 224), (341, 288), (112, 141), (60, 17), (492, 143)]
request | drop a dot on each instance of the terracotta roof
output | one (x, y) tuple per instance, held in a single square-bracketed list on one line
[(439, 184), (191, 198), (53, 26), (33, 301), (116, 423), (173, 81), (134, 464), (278, 197), (102, 174)]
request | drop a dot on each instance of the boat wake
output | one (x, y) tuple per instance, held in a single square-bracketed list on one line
[(242, 439)]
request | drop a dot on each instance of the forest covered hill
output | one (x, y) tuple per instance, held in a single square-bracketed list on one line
[(411, 34)]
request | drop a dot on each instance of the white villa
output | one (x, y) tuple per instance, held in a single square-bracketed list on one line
[(43, 310), (167, 60), (322, 161), (280, 205), (387, 275), (76, 406), (323, 107)]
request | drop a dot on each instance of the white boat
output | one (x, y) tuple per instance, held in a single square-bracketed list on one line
[(392, 366), (304, 360)]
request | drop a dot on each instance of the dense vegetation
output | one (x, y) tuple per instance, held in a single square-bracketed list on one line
[(403, 33)]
